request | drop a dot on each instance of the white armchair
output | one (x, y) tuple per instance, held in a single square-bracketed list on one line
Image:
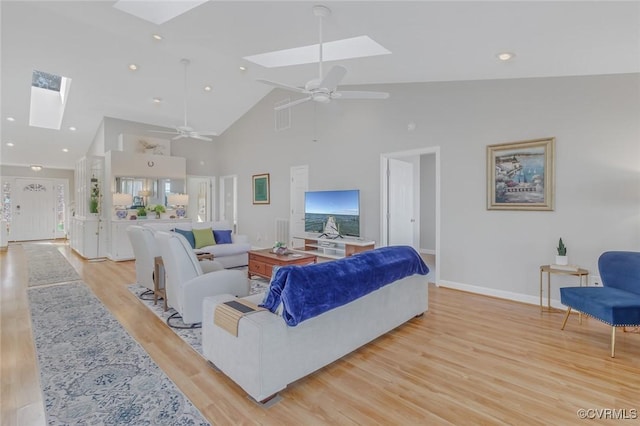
[(187, 285), (145, 250)]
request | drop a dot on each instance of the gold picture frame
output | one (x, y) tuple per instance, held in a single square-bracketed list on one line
[(520, 175), (261, 189)]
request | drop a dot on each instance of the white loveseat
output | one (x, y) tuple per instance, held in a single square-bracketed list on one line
[(268, 354), (229, 255)]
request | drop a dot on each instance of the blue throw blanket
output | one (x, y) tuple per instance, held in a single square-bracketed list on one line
[(308, 291)]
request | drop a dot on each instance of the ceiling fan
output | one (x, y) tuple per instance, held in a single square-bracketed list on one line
[(325, 89), (185, 131)]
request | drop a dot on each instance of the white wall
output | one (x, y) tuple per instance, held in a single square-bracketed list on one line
[(200, 155), (596, 123)]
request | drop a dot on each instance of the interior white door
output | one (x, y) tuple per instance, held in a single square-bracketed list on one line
[(400, 220), (299, 185), (200, 190), (33, 216)]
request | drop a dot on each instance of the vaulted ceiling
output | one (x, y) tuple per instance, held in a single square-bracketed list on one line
[(93, 43)]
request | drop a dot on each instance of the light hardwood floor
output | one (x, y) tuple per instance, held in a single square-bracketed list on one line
[(470, 360)]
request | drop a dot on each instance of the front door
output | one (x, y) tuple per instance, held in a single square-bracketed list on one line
[(33, 216)]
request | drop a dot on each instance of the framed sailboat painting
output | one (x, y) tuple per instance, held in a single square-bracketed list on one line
[(520, 175)]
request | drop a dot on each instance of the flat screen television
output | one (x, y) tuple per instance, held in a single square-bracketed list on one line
[(342, 205)]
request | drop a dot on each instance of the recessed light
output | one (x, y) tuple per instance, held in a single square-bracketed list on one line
[(9, 143), (11, 119), (133, 67), (207, 88), (505, 56), (73, 129), (65, 150), (157, 100), (157, 37), (243, 68)]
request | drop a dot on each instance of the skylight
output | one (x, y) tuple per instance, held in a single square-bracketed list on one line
[(48, 99), (157, 12), (355, 47)]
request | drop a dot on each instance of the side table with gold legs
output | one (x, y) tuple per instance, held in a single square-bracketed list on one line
[(159, 290), (549, 270)]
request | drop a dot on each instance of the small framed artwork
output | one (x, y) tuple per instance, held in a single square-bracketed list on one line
[(520, 175), (261, 189)]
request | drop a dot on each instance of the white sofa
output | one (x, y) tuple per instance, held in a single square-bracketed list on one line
[(229, 255), (267, 355)]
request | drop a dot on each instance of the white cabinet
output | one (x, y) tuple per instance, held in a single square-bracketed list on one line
[(87, 237), (120, 245), (334, 248)]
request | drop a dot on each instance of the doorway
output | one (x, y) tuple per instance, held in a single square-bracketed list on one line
[(410, 186), (299, 185), (37, 208), (201, 190), (229, 200)]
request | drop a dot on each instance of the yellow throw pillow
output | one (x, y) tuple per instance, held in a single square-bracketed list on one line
[(203, 237)]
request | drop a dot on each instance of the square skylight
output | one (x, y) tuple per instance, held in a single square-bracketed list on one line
[(348, 48), (48, 99), (157, 12)]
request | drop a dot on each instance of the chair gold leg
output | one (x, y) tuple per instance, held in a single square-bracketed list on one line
[(613, 342), (566, 317)]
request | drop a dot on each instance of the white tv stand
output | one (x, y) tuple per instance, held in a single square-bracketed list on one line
[(333, 248)]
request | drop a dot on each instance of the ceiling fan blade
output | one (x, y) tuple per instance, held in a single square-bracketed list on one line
[(181, 136), (284, 86), (355, 94), (333, 78), (200, 137), (211, 133), (162, 131), (293, 103)]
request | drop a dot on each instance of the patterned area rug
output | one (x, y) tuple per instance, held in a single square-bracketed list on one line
[(46, 265), (92, 371), (192, 336)]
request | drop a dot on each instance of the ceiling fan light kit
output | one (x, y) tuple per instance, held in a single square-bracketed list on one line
[(323, 89), (186, 131)]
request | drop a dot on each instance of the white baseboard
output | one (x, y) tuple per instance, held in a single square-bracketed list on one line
[(427, 251), (500, 294)]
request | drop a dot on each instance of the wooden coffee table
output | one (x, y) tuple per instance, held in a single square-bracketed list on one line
[(261, 262)]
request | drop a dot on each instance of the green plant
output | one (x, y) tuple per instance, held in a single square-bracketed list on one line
[(158, 208), (562, 250), (94, 200), (142, 211)]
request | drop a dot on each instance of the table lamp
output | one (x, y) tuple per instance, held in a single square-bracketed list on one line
[(179, 201), (144, 194), (121, 202)]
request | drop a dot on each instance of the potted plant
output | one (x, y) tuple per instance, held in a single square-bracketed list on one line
[(561, 258), (157, 208), (279, 248), (94, 201), (142, 213)]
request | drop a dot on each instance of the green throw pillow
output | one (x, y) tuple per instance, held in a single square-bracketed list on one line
[(203, 237)]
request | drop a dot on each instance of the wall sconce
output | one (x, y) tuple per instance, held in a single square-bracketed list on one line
[(144, 194), (36, 167), (179, 201), (121, 202)]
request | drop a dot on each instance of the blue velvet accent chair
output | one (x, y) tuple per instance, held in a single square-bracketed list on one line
[(617, 302)]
